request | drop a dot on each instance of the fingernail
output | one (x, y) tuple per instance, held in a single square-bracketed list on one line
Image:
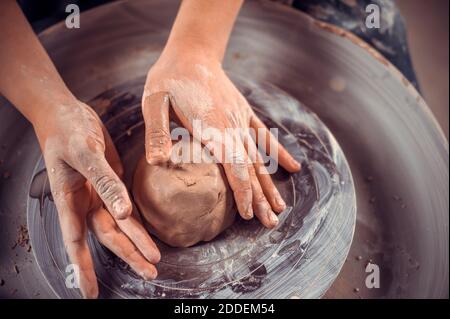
[(297, 165), (154, 257), (280, 202), (273, 218), (148, 274), (249, 211)]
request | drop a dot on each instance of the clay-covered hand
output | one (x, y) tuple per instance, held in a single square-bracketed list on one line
[(84, 171), (195, 89)]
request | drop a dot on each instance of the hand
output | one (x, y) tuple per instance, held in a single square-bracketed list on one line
[(84, 171), (83, 166), (193, 87)]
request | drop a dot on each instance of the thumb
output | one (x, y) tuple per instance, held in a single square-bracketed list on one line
[(158, 144), (107, 184)]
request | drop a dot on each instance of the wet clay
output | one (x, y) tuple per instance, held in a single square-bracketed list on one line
[(183, 203)]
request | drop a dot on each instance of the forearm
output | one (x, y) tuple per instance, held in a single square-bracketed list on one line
[(203, 25), (28, 78)]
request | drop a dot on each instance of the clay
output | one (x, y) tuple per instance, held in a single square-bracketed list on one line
[(183, 203)]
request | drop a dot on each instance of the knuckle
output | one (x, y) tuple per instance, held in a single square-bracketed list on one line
[(240, 166), (107, 187), (87, 142), (240, 171), (237, 158), (157, 137), (107, 236), (245, 188), (252, 171), (259, 198), (82, 156), (131, 254)]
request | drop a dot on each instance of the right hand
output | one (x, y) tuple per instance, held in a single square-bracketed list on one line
[(194, 87), (84, 171)]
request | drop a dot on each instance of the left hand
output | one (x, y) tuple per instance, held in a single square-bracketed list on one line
[(85, 173)]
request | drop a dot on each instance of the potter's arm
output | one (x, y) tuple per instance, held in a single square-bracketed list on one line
[(28, 78), (83, 166), (203, 26)]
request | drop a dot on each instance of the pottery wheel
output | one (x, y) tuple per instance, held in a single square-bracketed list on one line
[(396, 151), (300, 257)]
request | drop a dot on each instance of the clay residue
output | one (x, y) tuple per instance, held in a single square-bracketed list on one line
[(23, 239), (187, 180)]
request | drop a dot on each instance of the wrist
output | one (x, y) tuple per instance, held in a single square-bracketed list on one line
[(203, 27), (191, 49), (182, 56), (44, 110)]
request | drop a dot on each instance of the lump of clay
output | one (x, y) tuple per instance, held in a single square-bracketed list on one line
[(183, 203)]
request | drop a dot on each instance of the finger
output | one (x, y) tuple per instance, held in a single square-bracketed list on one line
[(108, 233), (158, 144), (236, 170), (239, 180), (106, 183), (140, 237), (72, 218), (111, 154), (261, 206), (284, 158), (105, 174), (264, 179)]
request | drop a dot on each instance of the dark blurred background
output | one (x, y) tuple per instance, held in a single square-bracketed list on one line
[(427, 25)]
